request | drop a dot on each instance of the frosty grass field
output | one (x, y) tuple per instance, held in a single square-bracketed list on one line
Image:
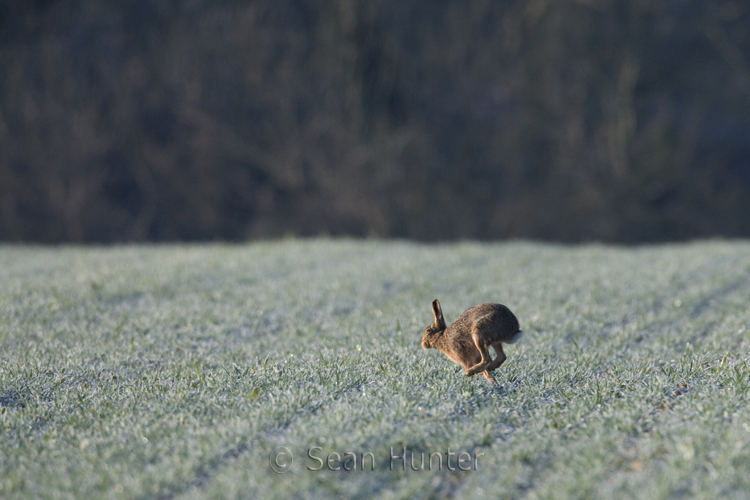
[(176, 371)]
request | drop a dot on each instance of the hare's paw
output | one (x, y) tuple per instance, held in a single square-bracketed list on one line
[(475, 369)]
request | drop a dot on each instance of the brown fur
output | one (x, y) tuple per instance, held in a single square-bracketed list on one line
[(466, 340)]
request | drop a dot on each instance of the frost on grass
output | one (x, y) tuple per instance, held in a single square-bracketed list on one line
[(175, 371)]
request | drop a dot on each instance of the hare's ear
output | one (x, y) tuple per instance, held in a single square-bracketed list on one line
[(437, 312)]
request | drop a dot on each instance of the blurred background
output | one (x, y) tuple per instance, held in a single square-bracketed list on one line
[(620, 121)]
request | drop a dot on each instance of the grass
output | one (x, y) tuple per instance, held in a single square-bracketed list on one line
[(175, 371)]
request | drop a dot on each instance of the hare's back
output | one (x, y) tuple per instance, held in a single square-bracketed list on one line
[(499, 320)]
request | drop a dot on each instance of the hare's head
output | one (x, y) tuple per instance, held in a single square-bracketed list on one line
[(433, 331)]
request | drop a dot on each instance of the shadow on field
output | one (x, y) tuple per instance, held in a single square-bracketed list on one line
[(12, 399)]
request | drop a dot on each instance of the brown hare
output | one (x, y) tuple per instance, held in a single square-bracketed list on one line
[(467, 340)]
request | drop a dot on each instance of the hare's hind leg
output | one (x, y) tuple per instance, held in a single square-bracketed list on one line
[(489, 377), (486, 359), (487, 364), (499, 359)]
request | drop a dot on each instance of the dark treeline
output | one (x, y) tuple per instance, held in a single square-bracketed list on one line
[(132, 120)]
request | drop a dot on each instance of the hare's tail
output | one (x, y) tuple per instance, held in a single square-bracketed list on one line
[(515, 338)]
